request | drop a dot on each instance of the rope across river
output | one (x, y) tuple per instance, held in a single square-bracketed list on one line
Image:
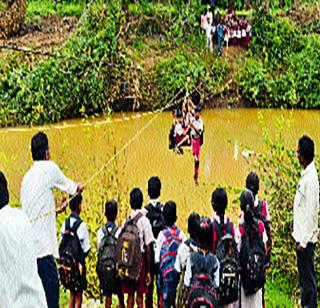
[(171, 103)]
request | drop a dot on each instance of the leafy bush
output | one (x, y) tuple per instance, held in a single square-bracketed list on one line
[(280, 172), (170, 74)]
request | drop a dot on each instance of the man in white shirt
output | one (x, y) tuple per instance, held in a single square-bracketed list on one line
[(21, 285), (305, 222), (38, 203)]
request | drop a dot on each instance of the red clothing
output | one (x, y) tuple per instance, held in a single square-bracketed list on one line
[(196, 144)]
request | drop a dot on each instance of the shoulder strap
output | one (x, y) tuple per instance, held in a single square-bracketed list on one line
[(138, 216), (67, 224), (76, 225)]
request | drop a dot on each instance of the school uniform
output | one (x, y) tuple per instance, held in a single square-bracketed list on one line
[(195, 137), (146, 238), (178, 133), (109, 227), (83, 235), (305, 232), (37, 200), (183, 254), (254, 300), (20, 283)]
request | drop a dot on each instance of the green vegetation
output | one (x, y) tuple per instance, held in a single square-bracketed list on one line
[(280, 172), (153, 47)]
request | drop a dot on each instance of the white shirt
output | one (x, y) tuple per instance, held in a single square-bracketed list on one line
[(159, 242), (306, 207), (188, 275), (20, 283), (183, 254), (256, 203), (37, 199), (198, 125), (178, 130), (144, 226), (82, 233)]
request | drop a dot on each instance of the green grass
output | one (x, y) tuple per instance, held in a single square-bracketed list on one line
[(38, 8), (277, 294)]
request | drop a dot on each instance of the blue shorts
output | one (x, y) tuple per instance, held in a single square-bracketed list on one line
[(48, 273)]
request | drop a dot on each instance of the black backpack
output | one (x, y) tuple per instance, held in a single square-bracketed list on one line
[(155, 216), (71, 257), (253, 260), (260, 212), (107, 265), (202, 292), (227, 253), (171, 138)]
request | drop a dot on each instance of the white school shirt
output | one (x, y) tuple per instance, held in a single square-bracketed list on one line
[(256, 203), (198, 124), (160, 240), (188, 275), (306, 207), (37, 199), (183, 254), (178, 130), (20, 283), (144, 226), (82, 233)]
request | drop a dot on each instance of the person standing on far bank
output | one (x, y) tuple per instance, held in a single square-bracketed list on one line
[(37, 201), (305, 222)]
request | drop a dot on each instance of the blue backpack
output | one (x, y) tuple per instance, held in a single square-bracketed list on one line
[(168, 278)]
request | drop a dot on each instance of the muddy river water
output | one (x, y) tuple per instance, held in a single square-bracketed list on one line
[(81, 149)]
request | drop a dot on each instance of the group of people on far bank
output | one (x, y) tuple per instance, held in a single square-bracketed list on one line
[(216, 265)]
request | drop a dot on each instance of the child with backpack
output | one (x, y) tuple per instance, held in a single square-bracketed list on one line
[(225, 249), (202, 271), (155, 215), (167, 245), (106, 267), (73, 250), (133, 251), (261, 211), (183, 254), (251, 238)]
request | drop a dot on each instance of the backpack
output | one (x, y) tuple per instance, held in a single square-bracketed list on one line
[(261, 213), (155, 216), (107, 266), (181, 290), (202, 292), (71, 257), (128, 251), (253, 260), (168, 278), (171, 138), (201, 137), (227, 253)]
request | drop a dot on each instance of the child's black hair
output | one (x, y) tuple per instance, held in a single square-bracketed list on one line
[(252, 183), (111, 210), (170, 213), (75, 203), (193, 225), (306, 148), (154, 187), (247, 205), (204, 233), (136, 198), (219, 201)]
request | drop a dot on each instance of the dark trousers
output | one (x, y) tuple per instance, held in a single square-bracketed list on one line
[(48, 273), (307, 276)]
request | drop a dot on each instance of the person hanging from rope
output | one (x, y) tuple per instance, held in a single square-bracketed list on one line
[(181, 137), (196, 141)]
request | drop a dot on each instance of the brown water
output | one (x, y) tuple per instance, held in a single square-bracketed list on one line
[(82, 150)]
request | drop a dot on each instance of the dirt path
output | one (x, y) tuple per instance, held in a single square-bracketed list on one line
[(49, 33)]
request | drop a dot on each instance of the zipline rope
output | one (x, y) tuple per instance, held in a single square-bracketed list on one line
[(171, 103)]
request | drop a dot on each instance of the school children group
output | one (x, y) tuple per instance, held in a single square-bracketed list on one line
[(232, 31), (218, 265)]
